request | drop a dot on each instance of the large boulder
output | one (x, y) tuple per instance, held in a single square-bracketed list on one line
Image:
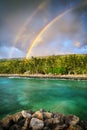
[(36, 124)]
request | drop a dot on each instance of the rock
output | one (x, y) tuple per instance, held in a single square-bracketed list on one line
[(26, 124), (42, 110), (47, 115), (30, 111), (42, 120), (17, 117), (25, 114), (38, 115), (74, 127), (72, 120), (1, 128), (21, 122), (56, 120), (60, 117), (36, 124), (7, 122), (83, 124), (1, 125), (49, 122), (61, 127), (46, 128), (15, 127)]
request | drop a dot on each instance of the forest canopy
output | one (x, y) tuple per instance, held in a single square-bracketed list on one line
[(60, 64)]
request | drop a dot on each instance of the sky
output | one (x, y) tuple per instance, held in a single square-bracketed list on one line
[(42, 27)]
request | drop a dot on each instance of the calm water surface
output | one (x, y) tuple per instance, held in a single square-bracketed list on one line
[(64, 96)]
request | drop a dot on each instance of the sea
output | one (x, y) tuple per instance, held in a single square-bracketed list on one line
[(55, 95)]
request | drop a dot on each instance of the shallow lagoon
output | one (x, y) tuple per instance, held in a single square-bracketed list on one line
[(63, 96)]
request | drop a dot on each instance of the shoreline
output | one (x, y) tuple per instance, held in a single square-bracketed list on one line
[(49, 76)]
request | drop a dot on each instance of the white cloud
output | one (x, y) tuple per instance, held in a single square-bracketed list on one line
[(5, 52)]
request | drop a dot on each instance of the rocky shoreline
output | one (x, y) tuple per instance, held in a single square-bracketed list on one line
[(42, 120), (51, 76)]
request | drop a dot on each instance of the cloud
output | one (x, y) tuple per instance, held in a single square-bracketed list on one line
[(5, 52), (34, 23), (69, 33), (77, 44)]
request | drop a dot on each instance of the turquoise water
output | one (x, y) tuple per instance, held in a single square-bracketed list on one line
[(64, 96)]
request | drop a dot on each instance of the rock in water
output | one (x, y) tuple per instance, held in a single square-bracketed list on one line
[(7, 122), (25, 114), (36, 124), (17, 117)]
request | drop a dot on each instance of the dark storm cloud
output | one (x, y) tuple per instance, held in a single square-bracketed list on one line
[(12, 7)]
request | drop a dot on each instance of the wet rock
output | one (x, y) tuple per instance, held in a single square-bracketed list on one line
[(36, 124), (38, 115), (25, 114), (72, 120), (47, 115), (74, 127), (7, 122), (17, 117)]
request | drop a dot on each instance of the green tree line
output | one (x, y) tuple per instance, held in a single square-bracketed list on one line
[(61, 64)]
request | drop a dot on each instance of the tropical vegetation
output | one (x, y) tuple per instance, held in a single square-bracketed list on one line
[(60, 64)]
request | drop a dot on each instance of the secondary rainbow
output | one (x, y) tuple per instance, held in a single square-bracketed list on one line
[(23, 28)]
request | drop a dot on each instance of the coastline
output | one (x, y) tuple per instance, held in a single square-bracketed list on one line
[(51, 76)]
